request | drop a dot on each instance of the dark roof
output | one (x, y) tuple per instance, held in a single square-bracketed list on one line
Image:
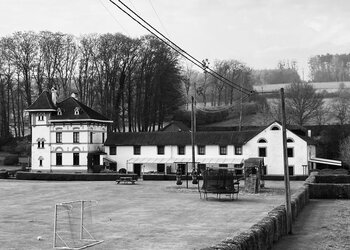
[(179, 138), (308, 140), (44, 102), (175, 126), (68, 106)]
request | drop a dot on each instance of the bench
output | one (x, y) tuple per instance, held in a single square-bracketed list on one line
[(125, 180), (220, 182)]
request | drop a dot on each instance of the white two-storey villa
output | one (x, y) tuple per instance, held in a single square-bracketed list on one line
[(66, 135), (164, 152)]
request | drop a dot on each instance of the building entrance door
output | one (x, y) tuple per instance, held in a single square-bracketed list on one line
[(137, 169)]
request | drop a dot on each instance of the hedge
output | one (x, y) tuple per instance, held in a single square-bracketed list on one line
[(71, 176), (4, 174)]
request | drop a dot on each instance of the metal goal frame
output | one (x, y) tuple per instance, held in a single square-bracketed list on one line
[(87, 241)]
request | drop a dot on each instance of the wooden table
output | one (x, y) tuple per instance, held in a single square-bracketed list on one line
[(125, 180)]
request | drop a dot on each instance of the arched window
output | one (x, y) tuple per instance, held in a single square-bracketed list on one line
[(59, 149), (41, 161), (59, 111), (262, 140), (275, 128), (76, 111), (290, 140), (76, 149), (41, 142)]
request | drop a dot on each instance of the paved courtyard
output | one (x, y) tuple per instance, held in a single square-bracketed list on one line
[(147, 215)]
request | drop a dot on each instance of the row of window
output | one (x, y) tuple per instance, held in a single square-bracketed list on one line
[(59, 159), (181, 150), (263, 152), (76, 137)]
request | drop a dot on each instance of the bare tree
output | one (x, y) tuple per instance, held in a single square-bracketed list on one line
[(302, 102), (341, 106)]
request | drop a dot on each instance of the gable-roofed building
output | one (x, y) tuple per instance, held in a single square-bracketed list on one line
[(66, 135), (167, 151)]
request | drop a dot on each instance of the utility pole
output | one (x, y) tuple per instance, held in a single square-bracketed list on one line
[(241, 104), (286, 172), (193, 131)]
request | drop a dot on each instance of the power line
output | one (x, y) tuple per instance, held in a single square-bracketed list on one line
[(160, 21), (202, 65), (114, 18)]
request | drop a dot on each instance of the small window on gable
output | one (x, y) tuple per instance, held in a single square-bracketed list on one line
[(290, 140), (275, 128), (76, 111), (262, 140), (59, 111)]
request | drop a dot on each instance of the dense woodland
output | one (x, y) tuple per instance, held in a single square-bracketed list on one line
[(330, 68), (134, 82)]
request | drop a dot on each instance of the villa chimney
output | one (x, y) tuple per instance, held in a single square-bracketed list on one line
[(74, 95), (309, 133), (54, 95)]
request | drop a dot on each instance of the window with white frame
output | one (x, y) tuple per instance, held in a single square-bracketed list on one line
[(41, 143), (181, 150), (58, 137), (75, 137), (112, 150), (160, 149), (238, 150), (137, 150), (262, 152), (201, 149), (223, 150)]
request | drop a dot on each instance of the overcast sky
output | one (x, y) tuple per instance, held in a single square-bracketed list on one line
[(256, 32)]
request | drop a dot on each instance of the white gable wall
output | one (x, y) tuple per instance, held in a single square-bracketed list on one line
[(274, 150)]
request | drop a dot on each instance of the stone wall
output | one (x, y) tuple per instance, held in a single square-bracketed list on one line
[(271, 228), (330, 187)]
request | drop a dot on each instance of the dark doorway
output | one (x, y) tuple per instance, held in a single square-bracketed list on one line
[(137, 169), (96, 160)]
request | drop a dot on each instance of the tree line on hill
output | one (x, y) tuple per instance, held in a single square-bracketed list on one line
[(330, 68)]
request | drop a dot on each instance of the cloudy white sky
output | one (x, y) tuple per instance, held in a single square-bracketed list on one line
[(257, 32)]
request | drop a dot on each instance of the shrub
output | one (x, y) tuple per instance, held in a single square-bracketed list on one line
[(97, 168), (4, 174), (11, 160), (71, 176)]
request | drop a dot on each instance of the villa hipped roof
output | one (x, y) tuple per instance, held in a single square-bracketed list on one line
[(68, 107), (179, 138), (44, 103)]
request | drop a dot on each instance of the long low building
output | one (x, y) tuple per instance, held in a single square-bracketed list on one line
[(165, 152)]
